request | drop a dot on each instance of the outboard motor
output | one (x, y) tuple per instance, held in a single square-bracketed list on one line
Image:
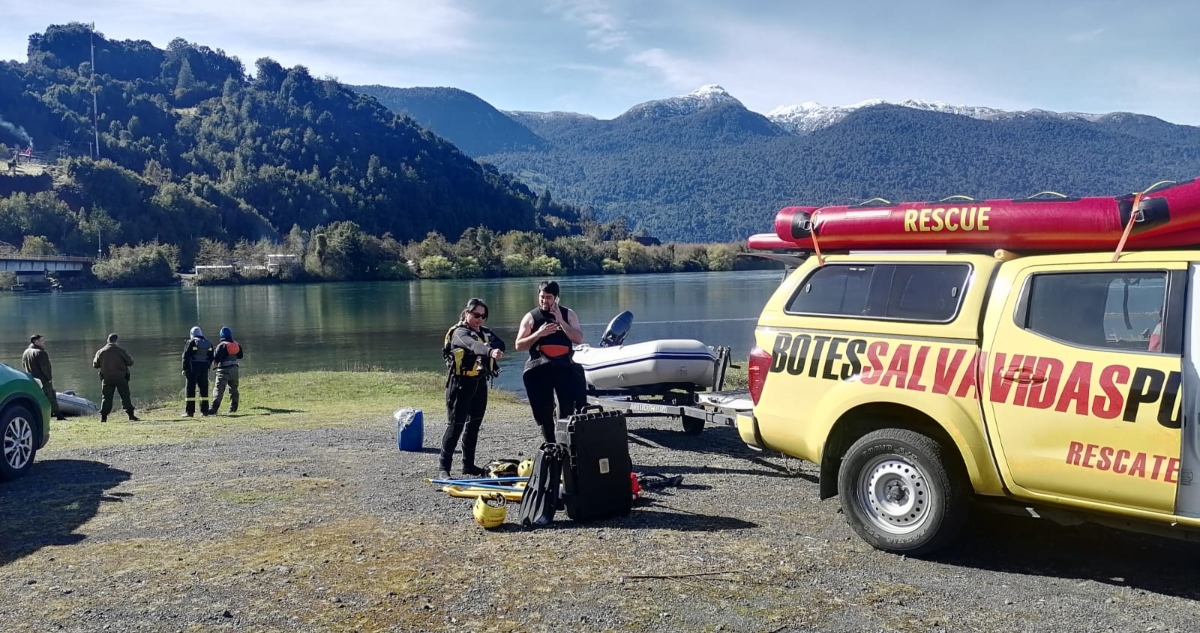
[(617, 330)]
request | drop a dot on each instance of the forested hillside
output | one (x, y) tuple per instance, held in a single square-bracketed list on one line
[(192, 147), (703, 167), (476, 127), (713, 176)]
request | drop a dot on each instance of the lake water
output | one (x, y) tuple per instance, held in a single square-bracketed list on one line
[(339, 326)]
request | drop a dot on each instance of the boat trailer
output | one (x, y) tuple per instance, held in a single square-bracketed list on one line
[(695, 408)]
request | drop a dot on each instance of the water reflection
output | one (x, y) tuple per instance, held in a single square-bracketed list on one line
[(381, 324)]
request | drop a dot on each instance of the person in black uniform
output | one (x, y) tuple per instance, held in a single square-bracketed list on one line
[(472, 353), (197, 358), (549, 331)]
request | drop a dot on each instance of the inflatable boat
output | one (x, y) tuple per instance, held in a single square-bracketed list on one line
[(72, 405), (1166, 215), (667, 361), (664, 377)]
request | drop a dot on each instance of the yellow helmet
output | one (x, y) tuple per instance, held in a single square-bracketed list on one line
[(525, 468), (490, 510)]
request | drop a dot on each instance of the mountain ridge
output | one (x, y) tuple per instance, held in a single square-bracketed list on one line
[(809, 116), (443, 109), (702, 166)]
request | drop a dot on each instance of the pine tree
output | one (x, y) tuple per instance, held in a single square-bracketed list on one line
[(186, 82)]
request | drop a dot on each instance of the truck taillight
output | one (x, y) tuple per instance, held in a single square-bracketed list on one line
[(760, 364)]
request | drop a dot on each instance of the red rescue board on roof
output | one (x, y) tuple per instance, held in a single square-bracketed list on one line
[(1163, 218)]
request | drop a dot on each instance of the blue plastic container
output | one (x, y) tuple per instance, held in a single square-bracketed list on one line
[(410, 429)]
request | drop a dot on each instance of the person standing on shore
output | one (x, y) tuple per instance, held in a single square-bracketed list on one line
[(472, 352), (113, 363), (225, 361), (549, 331), (197, 358), (36, 362)]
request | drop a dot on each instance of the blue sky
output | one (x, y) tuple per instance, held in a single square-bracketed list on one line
[(601, 57)]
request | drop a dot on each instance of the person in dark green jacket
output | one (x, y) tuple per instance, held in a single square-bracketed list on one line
[(113, 362), (36, 362)]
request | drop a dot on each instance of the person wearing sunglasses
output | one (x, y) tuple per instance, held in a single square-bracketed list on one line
[(472, 353), (550, 331)]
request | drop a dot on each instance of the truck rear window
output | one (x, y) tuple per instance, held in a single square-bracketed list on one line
[(906, 292)]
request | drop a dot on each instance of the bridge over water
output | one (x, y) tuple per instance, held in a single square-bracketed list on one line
[(35, 270)]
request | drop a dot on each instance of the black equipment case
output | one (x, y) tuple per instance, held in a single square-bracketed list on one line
[(596, 471)]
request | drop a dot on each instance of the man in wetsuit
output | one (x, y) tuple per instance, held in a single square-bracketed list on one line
[(549, 331)]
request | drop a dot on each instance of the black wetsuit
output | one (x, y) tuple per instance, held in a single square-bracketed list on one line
[(546, 377), (197, 358), (467, 395)]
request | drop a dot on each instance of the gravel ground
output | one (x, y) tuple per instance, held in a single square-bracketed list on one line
[(333, 530)]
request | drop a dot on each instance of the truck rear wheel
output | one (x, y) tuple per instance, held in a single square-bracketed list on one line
[(693, 426), (898, 494)]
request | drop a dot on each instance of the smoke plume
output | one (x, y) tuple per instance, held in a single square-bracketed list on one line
[(16, 130)]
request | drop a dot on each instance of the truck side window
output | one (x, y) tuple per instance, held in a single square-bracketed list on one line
[(836, 289), (1118, 311), (926, 292)]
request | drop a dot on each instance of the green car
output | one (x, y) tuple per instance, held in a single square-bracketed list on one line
[(24, 421)]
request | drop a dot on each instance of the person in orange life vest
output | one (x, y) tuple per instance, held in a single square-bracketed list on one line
[(549, 331), (197, 357), (225, 361), (473, 352)]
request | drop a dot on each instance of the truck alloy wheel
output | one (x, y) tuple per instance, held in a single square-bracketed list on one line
[(897, 493)]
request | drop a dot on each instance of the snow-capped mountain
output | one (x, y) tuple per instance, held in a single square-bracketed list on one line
[(811, 116), (699, 99), (529, 115), (703, 167)]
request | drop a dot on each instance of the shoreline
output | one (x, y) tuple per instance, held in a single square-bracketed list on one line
[(189, 280)]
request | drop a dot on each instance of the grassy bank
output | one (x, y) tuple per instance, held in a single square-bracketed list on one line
[(276, 401)]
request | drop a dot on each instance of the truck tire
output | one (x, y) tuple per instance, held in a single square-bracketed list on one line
[(693, 426), (898, 494), (17, 442)]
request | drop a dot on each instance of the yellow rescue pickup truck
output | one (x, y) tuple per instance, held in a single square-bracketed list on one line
[(1060, 385)]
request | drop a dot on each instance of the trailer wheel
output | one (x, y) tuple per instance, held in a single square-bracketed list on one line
[(693, 426), (898, 494)]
